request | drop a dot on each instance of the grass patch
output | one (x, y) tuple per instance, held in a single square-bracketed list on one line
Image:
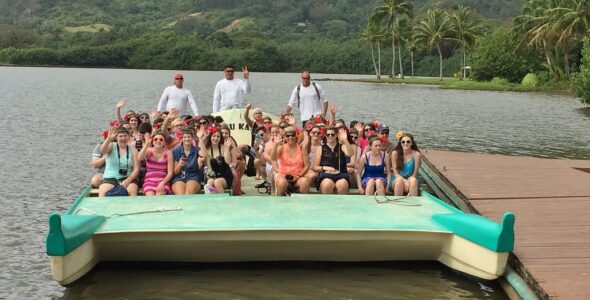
[(89, 28), (454, 83)]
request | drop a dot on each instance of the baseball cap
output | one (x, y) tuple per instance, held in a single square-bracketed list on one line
[(178, 76), (383, 127)]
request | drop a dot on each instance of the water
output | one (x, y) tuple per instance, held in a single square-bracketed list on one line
[(52, 118)]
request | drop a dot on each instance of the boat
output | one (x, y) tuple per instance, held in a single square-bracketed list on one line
[(256, 227)]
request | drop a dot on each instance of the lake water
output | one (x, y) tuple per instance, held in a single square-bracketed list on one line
[(53, 117)]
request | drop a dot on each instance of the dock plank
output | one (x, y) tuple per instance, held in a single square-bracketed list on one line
[(551, 201)]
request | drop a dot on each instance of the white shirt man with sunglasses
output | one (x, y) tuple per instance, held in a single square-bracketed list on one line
[(230, 92), (176, 96), (309, 97)]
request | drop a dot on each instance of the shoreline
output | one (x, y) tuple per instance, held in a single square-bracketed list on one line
[(455, 84)]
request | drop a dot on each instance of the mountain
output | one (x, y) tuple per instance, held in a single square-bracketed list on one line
[(206, 16)]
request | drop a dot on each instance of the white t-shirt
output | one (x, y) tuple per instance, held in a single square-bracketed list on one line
[(309, 105), (230, 94), (180, 99)]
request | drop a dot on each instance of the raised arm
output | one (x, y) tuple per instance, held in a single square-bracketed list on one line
[(247, 115), (107, 145), (148, 143), (343, 137), (120, 104)]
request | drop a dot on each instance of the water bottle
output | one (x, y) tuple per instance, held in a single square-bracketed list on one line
[(206, 173)]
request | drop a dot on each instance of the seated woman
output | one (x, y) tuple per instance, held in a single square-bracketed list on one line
[(406, 163), (373, 169), (98, 163), (187, 168), (218, 158), (292, 163), (121, 163), (238, 164), (159, 165), (330, 163), (312, 141)]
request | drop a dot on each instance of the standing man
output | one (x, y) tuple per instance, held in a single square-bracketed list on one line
[(176, 96), (230, 92), (309, 97)]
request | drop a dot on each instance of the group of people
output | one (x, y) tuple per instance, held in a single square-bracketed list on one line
[(171, 152)]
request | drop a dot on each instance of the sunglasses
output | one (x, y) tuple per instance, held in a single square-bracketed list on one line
[(203, 123), (266, 122), (289, 135), (330, 134), (143, 117), (314, 132), (385, 132), (354, 137), (158, 139), (406, 142), (179, 78), (369, 129), (306, 78)]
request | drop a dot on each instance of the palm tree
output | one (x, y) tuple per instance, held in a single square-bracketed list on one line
[(434, 30), (572, 21), (374, 34), (403, 32), (466, 29), (412, 47), (389, 12)]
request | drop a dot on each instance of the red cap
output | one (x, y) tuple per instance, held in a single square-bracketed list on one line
[(178, 76)]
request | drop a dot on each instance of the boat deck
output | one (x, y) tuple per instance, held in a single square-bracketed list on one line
[(551, 201), (217, 211)]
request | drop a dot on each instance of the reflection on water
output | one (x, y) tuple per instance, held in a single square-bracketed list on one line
[(52, 118), (384, 280)]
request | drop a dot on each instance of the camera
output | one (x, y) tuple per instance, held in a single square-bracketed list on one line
[(183, 156), (123, 172)]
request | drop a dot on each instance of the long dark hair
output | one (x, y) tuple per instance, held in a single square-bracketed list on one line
[(400, 151), (208, 139)]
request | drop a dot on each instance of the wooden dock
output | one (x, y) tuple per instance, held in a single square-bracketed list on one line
[(551, 201)]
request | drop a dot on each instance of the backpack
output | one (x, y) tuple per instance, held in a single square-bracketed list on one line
[(316, 90)]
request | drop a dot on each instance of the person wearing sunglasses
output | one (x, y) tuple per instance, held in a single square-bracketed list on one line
[(178, 97), (121, 163), (388, 146), (292, 162), (366, 131), (187, 170), (144, 118), (309, 97), (312, 141), (159, 165), (406, 160), (330, 162), (373, 171), (230, 92), (354, 158)]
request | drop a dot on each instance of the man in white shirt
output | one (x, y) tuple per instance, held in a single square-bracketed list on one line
[(309, 97), (176, 96), (231, 92)]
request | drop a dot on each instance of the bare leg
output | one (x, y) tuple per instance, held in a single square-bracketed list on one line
[(192, 187), (220, 185), (398, 186), (281, 185), (370, 188), (303, 184), (149, 193), (380, 185), (104, 188), (132, 189), (178, 188), (342, 187), (327, 186), (95, 181), (413, 187)]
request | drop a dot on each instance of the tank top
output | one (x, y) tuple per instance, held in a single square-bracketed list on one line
[(335, 159), (408, 168), (291, 163), (374, 171), (114, 162)]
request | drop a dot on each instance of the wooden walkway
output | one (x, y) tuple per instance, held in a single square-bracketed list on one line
[(551, 201)]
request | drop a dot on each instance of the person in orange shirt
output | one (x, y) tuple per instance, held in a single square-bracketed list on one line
[(293, 164)]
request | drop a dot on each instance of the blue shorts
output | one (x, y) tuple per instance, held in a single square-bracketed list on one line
[(187, 178)]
